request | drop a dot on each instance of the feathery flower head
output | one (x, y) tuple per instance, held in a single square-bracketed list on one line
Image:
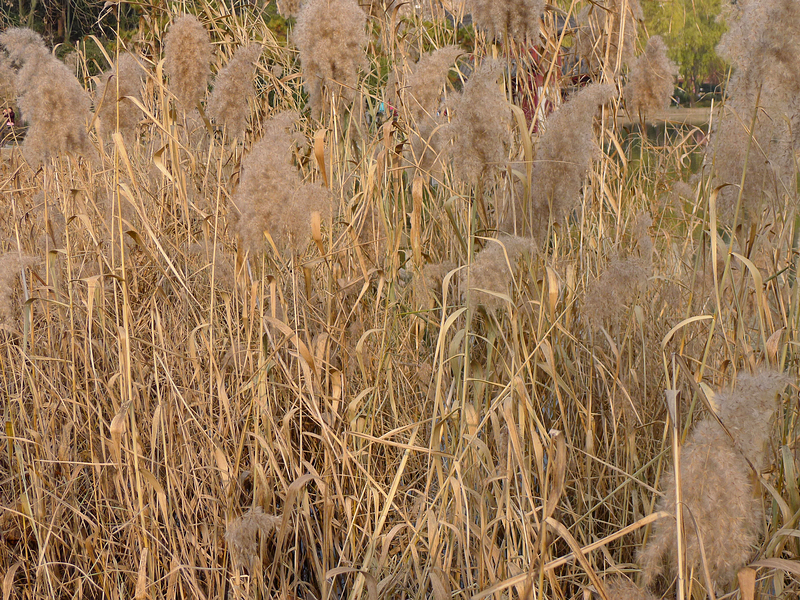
[(481, 125), (650, 82), (233, 87), (187, 59), (127, 77), (330, 35), (514, 18), (50, 98)]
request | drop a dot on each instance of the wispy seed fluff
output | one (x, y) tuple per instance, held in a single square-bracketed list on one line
[(620, 588), (116, 86), (271, 197), (765, 84), (10, 266), (563, 160), (330, 36), (492, 271), (241, 535), (514, 18), (721, 503), (481, 126), (650, 82), (50, 98), (233, 88), (421, 98), (187, 59)]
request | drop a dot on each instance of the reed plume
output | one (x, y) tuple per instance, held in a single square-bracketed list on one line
[(480, 128), (233, 88), (624, 279), (491, 273), (650, 82), (763, 94), (422, 99), (562, 162), (517, 19), (187, 59), (330, 36), (272, 197), (242, 535), (722, 506), (608, 32), (113, 106), (621, 588), (11, 264), (49, 96)]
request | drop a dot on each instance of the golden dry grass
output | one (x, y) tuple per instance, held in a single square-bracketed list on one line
[(159, 382)]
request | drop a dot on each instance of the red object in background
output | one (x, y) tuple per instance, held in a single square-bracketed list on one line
[(9, 117)]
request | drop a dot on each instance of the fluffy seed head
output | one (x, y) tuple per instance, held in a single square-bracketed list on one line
[(650, 82), (480, 128), (492, 270), (272, 197), (330, 35), (563, 159), (10, 266), (620, 588), (614, 25), (50, 98), (187, 57), (241, 535), (423, 91), (126, 77), (233, 87), (514, 18), (421, 98), (765, 84), (721, 504)]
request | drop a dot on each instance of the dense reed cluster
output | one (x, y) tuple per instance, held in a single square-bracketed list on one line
[(389, 308)]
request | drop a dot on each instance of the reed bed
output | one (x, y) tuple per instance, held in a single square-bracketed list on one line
[(365, 312)]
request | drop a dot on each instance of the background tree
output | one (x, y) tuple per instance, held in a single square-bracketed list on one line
[(691, 30)]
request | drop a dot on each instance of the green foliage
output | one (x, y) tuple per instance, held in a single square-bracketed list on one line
[(691, 30)]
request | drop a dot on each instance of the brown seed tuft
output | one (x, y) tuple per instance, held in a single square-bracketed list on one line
[(187, 59), (50, 98), (330, 35), (242, 535), (127, 77), (722, 506), (492, 271), (650, 82), (233, 88), (562, 162), (481, 126), (11, 264), (517, 19)]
